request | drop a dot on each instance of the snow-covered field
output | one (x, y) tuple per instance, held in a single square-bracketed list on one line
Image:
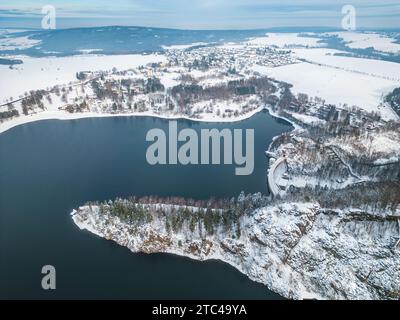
[(295, 249), (379, 42), (283, 40), (375, 68), (40, 73), (340, 80)]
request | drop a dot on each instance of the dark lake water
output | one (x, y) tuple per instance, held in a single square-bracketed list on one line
[(48, 168)]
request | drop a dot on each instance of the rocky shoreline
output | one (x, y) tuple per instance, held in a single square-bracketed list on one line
[(298, 250)]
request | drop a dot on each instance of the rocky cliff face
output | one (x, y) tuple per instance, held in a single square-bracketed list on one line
[(297, 249)]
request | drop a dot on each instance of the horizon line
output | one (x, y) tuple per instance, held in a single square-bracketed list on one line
[(207, 29)]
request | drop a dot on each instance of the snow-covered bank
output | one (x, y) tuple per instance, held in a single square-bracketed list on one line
[(62, 115), (16, 43), (296, 249)]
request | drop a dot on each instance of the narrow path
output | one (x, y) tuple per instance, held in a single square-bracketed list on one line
[(339, 158)]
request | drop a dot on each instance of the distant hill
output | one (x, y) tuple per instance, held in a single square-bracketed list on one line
[(124, 40)]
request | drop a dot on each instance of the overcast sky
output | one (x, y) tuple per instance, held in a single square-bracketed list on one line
[(201, 14)]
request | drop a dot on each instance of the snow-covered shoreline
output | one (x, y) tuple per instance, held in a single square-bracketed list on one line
[(298, 250), (64, 116), (215, 247), (173, 250)]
